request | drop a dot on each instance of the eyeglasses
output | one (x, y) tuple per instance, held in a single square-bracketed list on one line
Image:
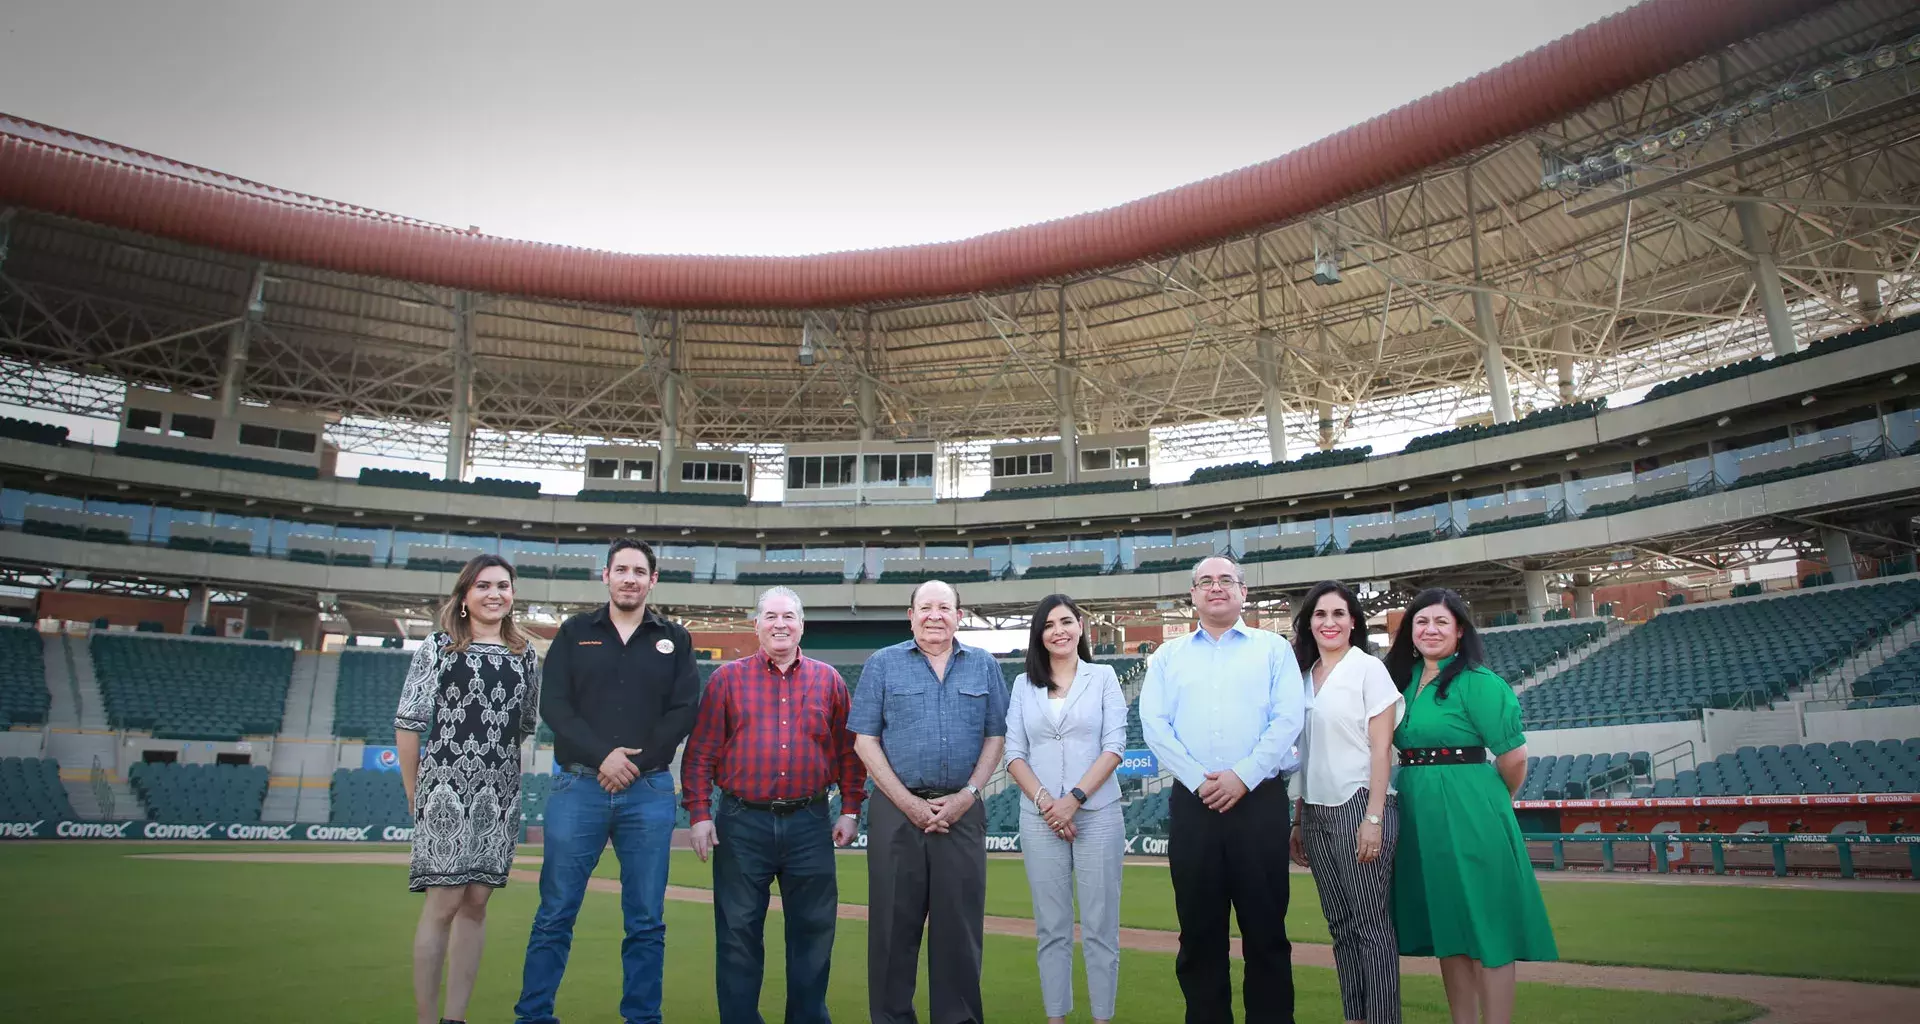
[(1210, 582)]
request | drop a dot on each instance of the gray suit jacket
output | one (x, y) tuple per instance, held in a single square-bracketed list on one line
[(1093, 722)]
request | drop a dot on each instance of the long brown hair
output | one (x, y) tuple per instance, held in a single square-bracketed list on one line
[(460, 627)]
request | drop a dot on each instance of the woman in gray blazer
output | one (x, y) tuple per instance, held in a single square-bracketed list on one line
[(1066, 733)]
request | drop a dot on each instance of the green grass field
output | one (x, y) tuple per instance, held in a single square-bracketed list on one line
[(96, 936), (1857, 936)]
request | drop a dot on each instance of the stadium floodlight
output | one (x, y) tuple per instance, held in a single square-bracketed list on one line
[(806, 342)]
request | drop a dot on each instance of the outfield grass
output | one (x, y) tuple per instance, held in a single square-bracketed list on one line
[(94, 936), (1744, 929)]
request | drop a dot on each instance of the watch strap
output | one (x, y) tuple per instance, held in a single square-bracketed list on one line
[(1078, 795)]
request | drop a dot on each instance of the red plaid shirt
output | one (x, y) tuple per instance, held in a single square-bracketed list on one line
[(763, 735)]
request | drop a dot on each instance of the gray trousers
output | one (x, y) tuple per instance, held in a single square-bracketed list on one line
[(1354, 896), (1092, 863), (903, 896)]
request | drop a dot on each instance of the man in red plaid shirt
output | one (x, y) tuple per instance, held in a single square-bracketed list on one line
[(772, 733)]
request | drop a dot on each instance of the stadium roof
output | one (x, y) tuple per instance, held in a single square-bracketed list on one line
[(1196, 308), (47, 169)]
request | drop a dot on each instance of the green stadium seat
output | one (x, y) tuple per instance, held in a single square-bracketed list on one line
[(191, 688)]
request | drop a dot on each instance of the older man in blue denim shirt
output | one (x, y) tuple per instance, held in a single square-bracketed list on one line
[(930, 722)]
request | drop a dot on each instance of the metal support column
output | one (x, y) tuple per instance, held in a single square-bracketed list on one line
[(1866, 283), (196, 605), (1536, 582), (1582, 595), (1766, 277), (1063, 397), (460, 417), (1323, 392), (1069, 435), (1563, 362), (1839, 555), (864, 408), (1483, 322), (670, 410), (1269, 357), (237, 341)]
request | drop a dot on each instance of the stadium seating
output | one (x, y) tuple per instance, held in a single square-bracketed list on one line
[(200, 792), (1894, 682), (1720, 655), (369, 693), (215, 460), (73, 524), (28, 430), (1515, 654), (1055, 572), (923, 575), (653, 498), (23, 678), (1311, 460), (1478, 432), (1574, 777), (30, 790), (1067, 490), (417, 481), (361, 797), (1865, 766), (1836, 343), (787, 579), (1147, 814), (192, 689)]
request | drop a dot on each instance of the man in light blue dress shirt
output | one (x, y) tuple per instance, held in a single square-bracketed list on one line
[(1222, 708)]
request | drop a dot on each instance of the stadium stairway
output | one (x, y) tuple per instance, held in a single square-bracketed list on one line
[(64, 710), (326, 690), (1838, 681), (1616, 632), (299, 711)]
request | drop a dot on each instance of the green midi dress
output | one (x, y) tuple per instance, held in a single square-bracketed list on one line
[(1462, 883)]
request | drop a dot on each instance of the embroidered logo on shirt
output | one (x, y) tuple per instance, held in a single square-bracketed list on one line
[(586, 643), (663, 646)]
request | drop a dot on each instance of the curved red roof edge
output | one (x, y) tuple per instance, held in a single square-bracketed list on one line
[(140, 193)]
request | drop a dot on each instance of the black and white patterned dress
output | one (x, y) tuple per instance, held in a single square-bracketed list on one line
[(474, 708)]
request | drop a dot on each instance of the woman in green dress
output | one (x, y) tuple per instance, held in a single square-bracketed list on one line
[(1463, 888)]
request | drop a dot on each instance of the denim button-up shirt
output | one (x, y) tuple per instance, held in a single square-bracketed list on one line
[(931, 729)]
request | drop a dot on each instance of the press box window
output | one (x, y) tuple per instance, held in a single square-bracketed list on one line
[(1024, 465), (145, 420), (603, 469), (1096, 459), (185, 425)]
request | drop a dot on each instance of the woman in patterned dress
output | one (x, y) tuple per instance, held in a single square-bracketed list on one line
[(472, 696)]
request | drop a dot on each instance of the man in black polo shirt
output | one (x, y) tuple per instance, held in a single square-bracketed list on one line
[(619, 692)]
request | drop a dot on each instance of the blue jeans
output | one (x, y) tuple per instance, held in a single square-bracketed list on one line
[(755, 848), (581, 818)]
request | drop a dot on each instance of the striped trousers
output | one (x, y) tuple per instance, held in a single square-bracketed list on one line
[(1355, 898)]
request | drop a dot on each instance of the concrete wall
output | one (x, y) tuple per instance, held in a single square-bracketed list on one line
[(1610, 739), (1877, 724)]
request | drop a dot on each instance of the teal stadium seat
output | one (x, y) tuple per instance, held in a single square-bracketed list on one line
[(23, 677), (192, 689), (30, 790), (1717, 656), (174, 792), (369, 693)]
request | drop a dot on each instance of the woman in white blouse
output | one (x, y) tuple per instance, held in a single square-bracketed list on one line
[(1345, 820), (1066, 733)]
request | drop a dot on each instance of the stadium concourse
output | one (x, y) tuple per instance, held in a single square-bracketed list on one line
[(1644, 298)]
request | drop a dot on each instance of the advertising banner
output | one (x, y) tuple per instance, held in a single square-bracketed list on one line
[(380, 759), (1139, 764), (211, 831)]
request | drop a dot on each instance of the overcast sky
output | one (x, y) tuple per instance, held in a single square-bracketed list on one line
[(742, 128)]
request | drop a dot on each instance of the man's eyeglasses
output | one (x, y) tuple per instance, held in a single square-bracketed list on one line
[(1210, 582)]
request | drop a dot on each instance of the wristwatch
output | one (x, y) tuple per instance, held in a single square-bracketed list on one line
[(972, 790), (1373, 819), (1077, 794)]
